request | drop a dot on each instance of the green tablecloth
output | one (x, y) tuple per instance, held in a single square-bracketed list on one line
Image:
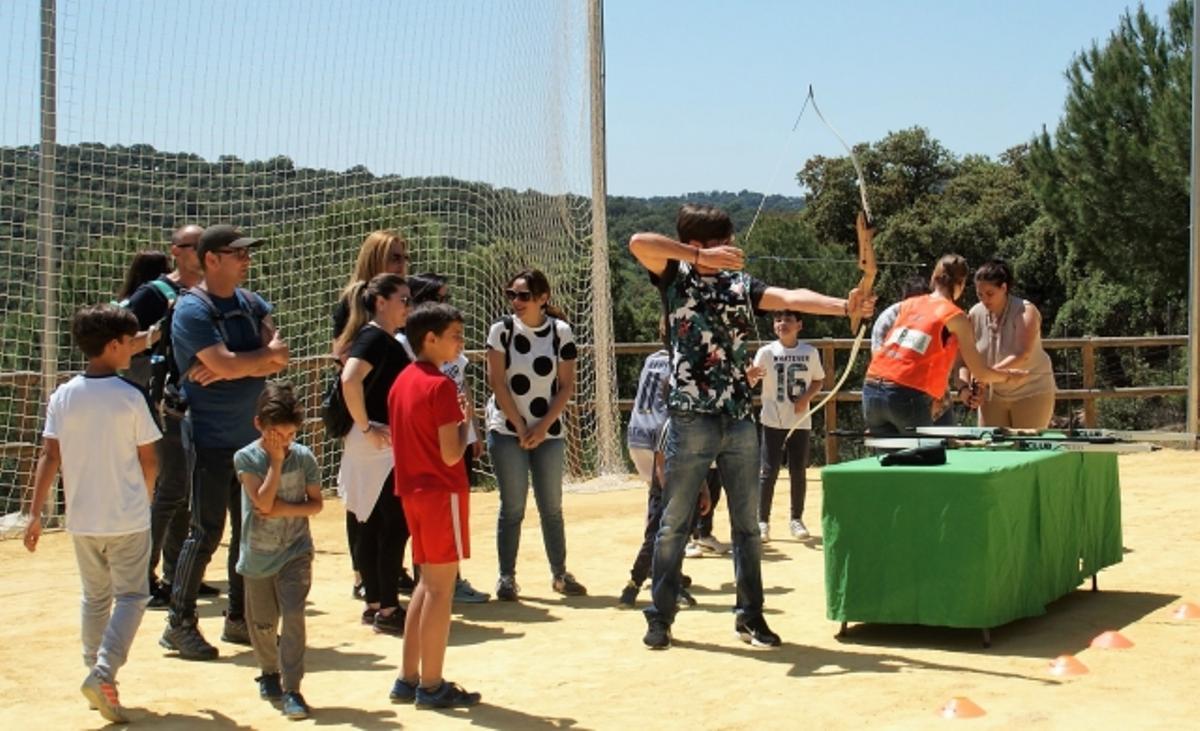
[(984, 539)]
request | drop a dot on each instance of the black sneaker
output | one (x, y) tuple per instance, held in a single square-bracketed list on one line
[(390, 624), (208, 590), (359, 592), (269, 688), (160, 596), (507, 589), (405, 584), (403, 691), (185, 639), (629, 595), (446, 695), (685, 600), (368, 616), (566, 585), (756, 632), (294, 706), (235, 630), (658, 635)]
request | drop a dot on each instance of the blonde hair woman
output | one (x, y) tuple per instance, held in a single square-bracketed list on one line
[(383, 252)]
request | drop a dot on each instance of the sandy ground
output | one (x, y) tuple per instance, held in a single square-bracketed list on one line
[(548, 662)]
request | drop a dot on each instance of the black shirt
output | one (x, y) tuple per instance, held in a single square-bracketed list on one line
[(387, 358), (150, 306)]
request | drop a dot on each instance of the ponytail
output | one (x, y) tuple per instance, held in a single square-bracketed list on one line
[(360, 313)]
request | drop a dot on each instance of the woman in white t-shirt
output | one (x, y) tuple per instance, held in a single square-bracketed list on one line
[(531, 370), (791, 375)]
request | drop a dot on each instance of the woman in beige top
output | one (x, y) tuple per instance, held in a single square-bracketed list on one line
[(1008, 333)]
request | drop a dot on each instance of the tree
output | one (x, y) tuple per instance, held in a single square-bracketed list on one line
[(1113, 179)]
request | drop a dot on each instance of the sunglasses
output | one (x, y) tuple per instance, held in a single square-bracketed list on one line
[(513, 295), (242, 254)]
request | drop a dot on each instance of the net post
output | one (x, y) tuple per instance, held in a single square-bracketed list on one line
[(47, 201), (607, 457)]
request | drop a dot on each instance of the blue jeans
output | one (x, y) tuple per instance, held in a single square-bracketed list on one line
[(693, 442), (889, 408), (514, 467)]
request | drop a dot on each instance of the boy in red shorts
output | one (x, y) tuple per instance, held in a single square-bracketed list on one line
[(430, 422)]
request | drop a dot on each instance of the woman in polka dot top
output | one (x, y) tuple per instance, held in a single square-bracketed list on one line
[(531, 370)]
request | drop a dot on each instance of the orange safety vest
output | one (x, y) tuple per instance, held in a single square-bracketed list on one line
[(914, 353)]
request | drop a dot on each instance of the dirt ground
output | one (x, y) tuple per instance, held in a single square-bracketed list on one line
[(548, 662)]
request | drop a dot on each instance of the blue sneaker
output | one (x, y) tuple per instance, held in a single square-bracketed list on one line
[(294, 706), (446, 695), (269, 688), (403, 691)]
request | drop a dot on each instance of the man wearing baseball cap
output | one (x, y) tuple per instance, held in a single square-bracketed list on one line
[(226, 345)]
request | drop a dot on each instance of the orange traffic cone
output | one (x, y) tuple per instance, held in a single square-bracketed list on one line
[(1187, 610), (960, 707), (1066, 665), (1111, 640)]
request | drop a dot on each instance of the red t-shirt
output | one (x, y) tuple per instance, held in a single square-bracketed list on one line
[(421, 400)]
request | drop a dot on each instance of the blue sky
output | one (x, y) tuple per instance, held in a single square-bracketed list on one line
[(701, 94)]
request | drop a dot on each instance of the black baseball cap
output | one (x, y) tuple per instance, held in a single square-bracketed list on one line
[(224, 236)]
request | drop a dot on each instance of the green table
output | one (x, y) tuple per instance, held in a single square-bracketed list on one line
[(982, 540)]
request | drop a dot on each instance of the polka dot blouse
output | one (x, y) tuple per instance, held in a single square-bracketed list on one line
[(530, 370)]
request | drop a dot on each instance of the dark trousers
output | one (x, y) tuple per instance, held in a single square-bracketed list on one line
[(380, 546), (352, 537), (704, 523), (215, 492), (774, 446), (654, 510), (169, 510)]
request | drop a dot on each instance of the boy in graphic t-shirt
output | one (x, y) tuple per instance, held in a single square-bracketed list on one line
[(99, 431), (430, 428), (791, 376), (281, 489)]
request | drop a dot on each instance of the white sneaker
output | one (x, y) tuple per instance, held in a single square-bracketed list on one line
[(799, 530), (712, 545), (693, 550), (764, 531)]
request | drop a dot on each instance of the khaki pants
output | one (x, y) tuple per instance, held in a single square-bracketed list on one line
[(270, 599), (1031, 412)]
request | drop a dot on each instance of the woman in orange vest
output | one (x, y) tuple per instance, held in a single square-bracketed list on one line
[(913, 366)]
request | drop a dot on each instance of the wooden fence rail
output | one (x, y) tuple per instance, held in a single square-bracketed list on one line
[(1088, 394)]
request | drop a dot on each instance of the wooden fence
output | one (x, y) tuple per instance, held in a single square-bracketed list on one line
[(1087, 394)]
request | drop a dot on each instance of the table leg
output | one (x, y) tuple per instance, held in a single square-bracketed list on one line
[(987, 637), (841, 632), (1095, 584)]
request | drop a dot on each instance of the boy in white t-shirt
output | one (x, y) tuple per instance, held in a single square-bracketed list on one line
[(99, 431), (791, 376)]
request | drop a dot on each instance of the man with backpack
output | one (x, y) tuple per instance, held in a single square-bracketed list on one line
[(154, 370), (225, 345)]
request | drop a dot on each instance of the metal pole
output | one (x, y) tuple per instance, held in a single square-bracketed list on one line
[(607, 456), (47, 255), (1193, 398)]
